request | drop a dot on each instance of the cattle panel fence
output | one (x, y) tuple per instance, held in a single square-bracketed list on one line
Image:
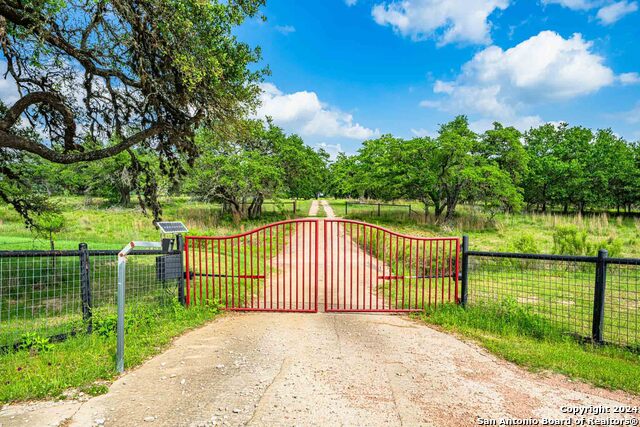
[(56, 294)]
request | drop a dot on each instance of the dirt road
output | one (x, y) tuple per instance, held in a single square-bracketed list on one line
[(320, 369)]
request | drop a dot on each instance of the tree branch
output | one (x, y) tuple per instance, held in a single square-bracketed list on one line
[(55, 101), (8, 140)]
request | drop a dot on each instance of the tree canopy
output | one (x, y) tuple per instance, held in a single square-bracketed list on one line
[(501, 170), (98, 78)]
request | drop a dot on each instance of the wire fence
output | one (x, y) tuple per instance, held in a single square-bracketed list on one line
[(377, 209), (590, 297), (56, 294)]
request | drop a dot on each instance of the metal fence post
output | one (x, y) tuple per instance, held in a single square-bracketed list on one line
[(465, 272), (598, 296), (180, 248), (85, 286)]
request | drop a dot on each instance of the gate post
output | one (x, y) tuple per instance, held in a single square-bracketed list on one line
[(180, 248), (465, 272), (85, 286), (598, 296)]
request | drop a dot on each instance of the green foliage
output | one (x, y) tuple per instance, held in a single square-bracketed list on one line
[(34, 343), (142, 78), (525, 243), (506, 317), (570, 240), (457, 166), (256, 163)]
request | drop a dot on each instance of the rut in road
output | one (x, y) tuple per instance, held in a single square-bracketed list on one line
[(265, 369)]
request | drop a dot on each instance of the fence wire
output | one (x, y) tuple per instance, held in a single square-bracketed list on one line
[(561, 292), (622, 304), (41, 292)]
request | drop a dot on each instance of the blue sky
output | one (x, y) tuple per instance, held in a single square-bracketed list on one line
[(347, 70)]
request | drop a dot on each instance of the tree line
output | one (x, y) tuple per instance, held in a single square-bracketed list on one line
[(548, 167), (109, 103), (252, 162)]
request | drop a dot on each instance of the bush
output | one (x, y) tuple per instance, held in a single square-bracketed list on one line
[(569, 240), (34, 343), (525, 243)]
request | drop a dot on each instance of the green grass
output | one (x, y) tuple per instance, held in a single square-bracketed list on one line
[(107, 227), (44, 297), (84, 362), (514, 333), (502, 231)]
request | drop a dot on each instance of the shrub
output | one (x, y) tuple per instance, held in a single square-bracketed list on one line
[(569, 240), (525, 243), (34, 343)]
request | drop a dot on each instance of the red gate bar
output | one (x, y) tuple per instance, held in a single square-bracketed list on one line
[(271, 268), (371, 269)]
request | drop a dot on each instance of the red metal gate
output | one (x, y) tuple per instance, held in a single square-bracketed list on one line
[(271, 268), (371, 269)]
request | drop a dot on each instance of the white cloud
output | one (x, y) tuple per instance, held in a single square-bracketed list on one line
[(449, 21), (332, 149), (573, 4), (500, 84), (629, 78), (285, 29), (351, 2), (302, 112), (423, 132), (8, 91), (632, 116), (613, 12), (609, 12)]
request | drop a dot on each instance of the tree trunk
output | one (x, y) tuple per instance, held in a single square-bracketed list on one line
[(256, 207), (125, 196)]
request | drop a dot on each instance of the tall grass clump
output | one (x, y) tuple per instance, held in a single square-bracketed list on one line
[(506, 317)]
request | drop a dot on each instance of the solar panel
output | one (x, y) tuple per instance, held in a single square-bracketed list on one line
[(172, 227)]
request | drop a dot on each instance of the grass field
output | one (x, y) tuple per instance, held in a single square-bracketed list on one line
[(529, 311), (543, 304), (40, 297), (504, 232), (85, 362), (104, 227)]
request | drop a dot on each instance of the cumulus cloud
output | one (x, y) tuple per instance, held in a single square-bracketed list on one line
[(499, 84), (285, 29), (303, 112), (448, 21), (613, 12), (351, 2)]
